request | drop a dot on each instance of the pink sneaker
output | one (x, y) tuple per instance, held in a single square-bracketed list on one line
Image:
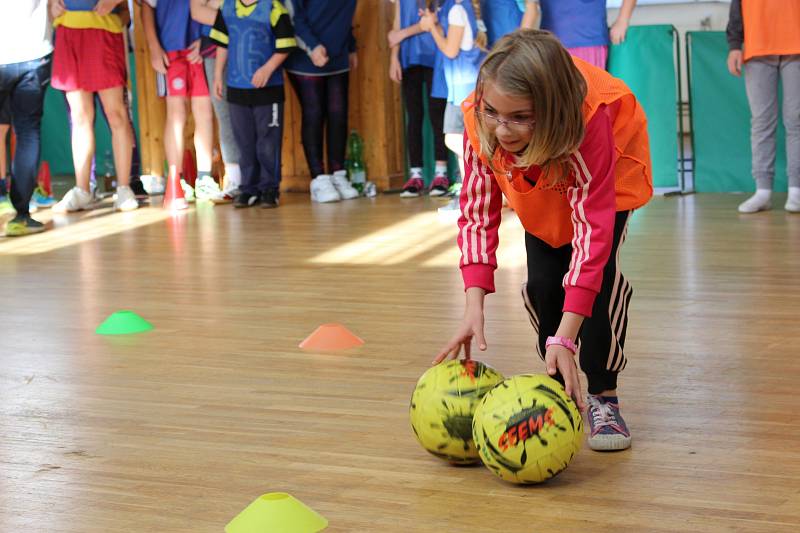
[(439, 186), (413, 187)]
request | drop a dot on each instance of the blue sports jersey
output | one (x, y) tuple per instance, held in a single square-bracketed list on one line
[(576, 23), (80, 5), (251, 43), (455, 78), (419, 50), (501, 17), (176, 29)]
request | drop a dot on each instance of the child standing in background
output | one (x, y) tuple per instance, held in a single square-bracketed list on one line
[(459, 42), (319, 71), (89, 58), (227, 143), (582, 26), (254, 39), (174, 43), (412, 60)]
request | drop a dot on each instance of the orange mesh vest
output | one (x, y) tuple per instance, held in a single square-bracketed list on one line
[(771, 27), (544, 211)]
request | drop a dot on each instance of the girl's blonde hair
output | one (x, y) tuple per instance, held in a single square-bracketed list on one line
[(481, 40), (533, 64)]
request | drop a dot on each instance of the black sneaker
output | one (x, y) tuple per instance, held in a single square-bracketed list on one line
[(246, 199), (138, 188), (270, 200), (23, 225)]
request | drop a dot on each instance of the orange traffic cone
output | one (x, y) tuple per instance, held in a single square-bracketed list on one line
[(189, 168), (43, 179), (330, 337), (173, 196)]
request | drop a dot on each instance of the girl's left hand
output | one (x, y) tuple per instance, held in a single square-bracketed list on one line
[(194, 56), (105, 7), (261, 77), (618, 32), (560, 359), (353, 60)]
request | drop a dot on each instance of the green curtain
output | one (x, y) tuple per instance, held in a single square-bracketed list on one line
[(721, 120), (646, 62), (56, 146)]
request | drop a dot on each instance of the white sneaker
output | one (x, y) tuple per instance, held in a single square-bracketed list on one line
[(154, 185), (760, 201), (227, 195), (793, 201), (125, 199), (188, 191), (343, 186), (76, 199), (206, 188), (323, 190)]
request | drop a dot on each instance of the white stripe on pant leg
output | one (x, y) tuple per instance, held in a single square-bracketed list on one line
[(275, 117), (623, 360), (618, 285), (616, 331)]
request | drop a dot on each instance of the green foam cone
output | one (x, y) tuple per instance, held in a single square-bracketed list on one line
[(123, 323), (277, 512)]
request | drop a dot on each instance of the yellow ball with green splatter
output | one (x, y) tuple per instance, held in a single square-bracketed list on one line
[(442, 406), (527, 429)]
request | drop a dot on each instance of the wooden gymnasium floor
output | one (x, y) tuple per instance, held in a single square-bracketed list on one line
[(180, 428)]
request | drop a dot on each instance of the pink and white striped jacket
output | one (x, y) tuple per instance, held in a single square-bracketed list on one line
[(592, 199)]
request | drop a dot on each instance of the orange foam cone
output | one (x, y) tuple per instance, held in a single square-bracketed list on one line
[(331, 337), (44, 179), (173, 196), (189, 168)]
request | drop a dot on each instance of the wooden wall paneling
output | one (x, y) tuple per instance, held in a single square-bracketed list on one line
[(152, 109)]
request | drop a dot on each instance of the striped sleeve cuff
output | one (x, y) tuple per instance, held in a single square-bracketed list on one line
[(478, 275), (579, 300)]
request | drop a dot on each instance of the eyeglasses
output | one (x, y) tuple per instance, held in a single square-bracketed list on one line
[(493, 121)]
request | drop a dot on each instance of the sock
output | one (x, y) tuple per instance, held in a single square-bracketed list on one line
[(758, 202), (610, 399), (415, 172), (441, 169), (233, 175), (203, 173)]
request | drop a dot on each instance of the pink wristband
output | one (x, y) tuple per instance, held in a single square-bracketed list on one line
[(566, 342)]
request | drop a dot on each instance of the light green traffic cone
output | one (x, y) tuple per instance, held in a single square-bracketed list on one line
[(123, 323)]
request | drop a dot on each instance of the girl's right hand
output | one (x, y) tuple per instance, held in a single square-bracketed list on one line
[(218, 87), (395, 70), (319, 56), (471, 326), (159, 59), (394, 37)]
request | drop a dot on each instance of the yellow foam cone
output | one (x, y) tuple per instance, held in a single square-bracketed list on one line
[(277, 512)]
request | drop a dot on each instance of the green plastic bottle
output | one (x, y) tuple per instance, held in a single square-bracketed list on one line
[(356, 169)]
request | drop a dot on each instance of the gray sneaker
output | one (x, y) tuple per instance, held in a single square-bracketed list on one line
[(607, 428)]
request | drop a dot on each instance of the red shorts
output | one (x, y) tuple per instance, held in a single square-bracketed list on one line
[(88, 60), (184, 78)]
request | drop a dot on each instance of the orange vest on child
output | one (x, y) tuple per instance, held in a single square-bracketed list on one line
[(771, 27), (544, 211)]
